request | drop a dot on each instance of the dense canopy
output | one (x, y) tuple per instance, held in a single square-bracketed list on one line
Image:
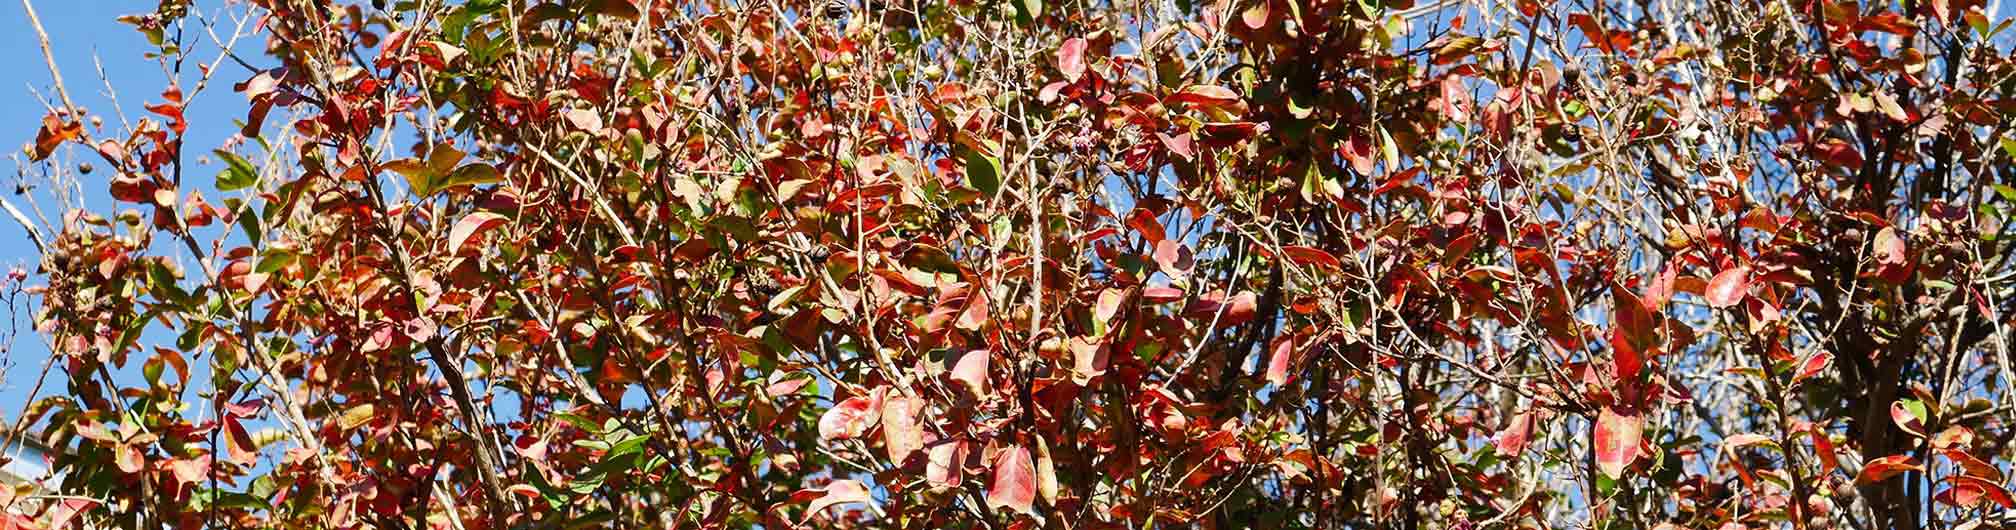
[(1035, 263)]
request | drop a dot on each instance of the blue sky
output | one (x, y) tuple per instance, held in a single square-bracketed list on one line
[(79, 31)]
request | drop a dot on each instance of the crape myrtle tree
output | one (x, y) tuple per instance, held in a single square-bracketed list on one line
[(1031, 263)]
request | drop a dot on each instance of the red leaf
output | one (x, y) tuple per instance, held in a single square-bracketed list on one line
[(1628, 359), (1812, 365), (1890, 247), (1455, 100), (584, 119), (93, 430), (1108, 305), (470, 226), (971, 371), (1882, 469), (1636, 323), (1014, 481), (260, 85), (1174, 257), (1241, 311), (1974, 467), (245, 409), (1046, 473), (1512, 440), (129, 458), (1312, 256), (1358, 149), (1840, 154), (238, 443), (191, 470), (1277, 362), (944, 462), (1223, 134), (902, 433), (837, 492), (171, 110), (1204, 97), (1592, 31), (1089, 359), (1617, 437), (784, 384), (62, 514), (1145, 223), (1824, 446), (1153, 295), (975, 314), (1228, 313), (1181, 144), (1907, 420), (1071, 58), (1729, 287), (133, 188), (850, 418), (1743, 440), (1968, 491)]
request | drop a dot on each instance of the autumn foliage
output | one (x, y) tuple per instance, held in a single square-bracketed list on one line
[(1035, 263)]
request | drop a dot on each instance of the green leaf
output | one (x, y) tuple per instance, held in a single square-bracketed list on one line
[(152, 371), (440, 171), (1026, 11), (783, 299), (250, 223), (238, 174), (983, 172), (133, 329), (470, 175), (587, 485), (273, 261), (356, 416), (627, 446), (577, 421)]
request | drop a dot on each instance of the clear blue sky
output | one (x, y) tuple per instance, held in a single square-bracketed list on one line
[(80, 30)]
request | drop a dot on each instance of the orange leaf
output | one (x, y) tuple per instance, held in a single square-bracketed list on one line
[(52, 134)]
